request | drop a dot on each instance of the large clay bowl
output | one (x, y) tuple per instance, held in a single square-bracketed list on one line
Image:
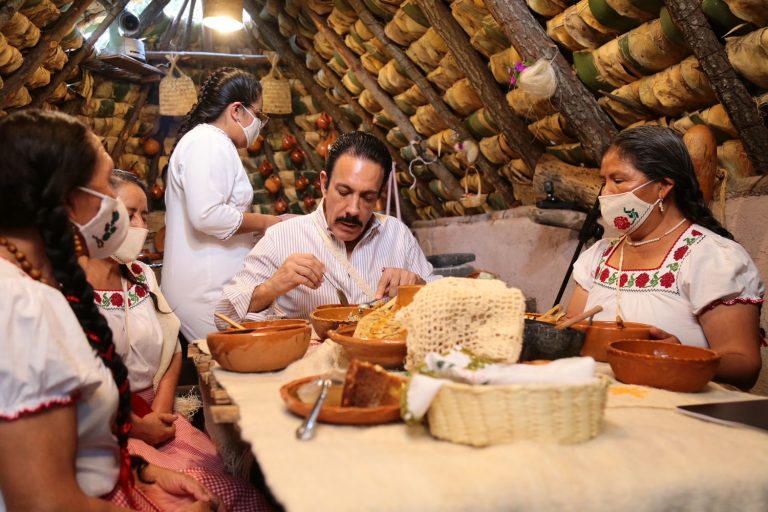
[(387, 353), (406, 292), (261, 351), (601, 334), (332, 411), (327, 317), (682, 368)]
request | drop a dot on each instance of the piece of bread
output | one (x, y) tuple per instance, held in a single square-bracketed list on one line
[(369, 385)]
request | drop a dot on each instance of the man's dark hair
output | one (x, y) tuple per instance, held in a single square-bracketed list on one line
[(362, 145)]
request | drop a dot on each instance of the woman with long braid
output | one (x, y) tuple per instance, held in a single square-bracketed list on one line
[(209, 224), (64, 393), (675, 267)]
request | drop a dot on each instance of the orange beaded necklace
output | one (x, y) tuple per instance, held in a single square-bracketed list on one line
[(22, 261)]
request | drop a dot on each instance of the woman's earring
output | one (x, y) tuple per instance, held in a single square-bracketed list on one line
[(661, 205)]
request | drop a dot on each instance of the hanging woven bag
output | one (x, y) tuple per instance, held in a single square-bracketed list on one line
[(177, 91), (276, 90)]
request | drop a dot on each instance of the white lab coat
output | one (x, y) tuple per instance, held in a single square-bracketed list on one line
[(207, 191)]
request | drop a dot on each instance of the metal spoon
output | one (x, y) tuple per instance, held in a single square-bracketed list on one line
[(306, 430)]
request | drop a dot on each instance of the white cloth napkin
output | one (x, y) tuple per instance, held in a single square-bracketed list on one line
[(423, 388)]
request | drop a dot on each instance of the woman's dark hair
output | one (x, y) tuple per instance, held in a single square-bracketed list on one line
[(222, 87), (118, 179), (362, 145), (660, 152), (44, 157)]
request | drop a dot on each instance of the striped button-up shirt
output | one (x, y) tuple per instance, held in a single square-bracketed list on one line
[(387, 243)]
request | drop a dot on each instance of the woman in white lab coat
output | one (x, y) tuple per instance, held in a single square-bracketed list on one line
[(208, 197)]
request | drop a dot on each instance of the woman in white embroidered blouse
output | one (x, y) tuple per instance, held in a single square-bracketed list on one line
[(209, 224), (675, 267)]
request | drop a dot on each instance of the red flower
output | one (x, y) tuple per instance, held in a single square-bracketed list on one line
[(621, 223), (597, 271), (135, 268), (667, 280), (623, 280), (96, 297), (116, 299), (696, 232), (642, 280), (680, 252), (141, 291), (604, 275), (608, 250)]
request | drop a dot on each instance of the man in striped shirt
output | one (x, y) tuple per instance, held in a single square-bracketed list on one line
[(343, 244)]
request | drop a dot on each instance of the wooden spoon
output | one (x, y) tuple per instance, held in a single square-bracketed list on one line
[(231, 322), (578, 318)]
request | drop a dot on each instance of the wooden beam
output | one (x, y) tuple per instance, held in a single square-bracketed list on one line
[(37, 55), (571, 183), (383, 99), (117, 151), (188, 29), (150, 14), (744, 187), (729, 89), (239, 59), (593, 127), (476, 70), (297, 67), (8, 9), (76, 58), (163, 43), (452, 120)]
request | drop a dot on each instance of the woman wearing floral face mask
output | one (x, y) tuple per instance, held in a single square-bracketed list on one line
[(674, 266), (209, 224), (64, 393)]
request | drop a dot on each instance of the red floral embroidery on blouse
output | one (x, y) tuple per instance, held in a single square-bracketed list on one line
[(623, 280), (116, 299), (608, 250), (696, 232), (135, 268), (642, 280), (604, 275), (680, 252), (141, 291), (667, 280), (621, 223), (597, 272)]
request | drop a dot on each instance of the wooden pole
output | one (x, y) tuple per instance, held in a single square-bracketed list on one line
[(49, 39), (383, 99), (188, 30), (117, 151), (476, 70), (451, 119), (731, 91), (76, 58), (273, 39), (163, 43), (239, 59), (9, 8), (593, 127), (149, 14)]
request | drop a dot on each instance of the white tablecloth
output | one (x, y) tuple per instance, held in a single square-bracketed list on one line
[(648, 458)]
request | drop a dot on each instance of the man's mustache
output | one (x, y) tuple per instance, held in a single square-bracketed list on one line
[(350, 220)]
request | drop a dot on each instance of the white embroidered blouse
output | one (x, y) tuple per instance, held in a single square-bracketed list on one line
[(701, 270)]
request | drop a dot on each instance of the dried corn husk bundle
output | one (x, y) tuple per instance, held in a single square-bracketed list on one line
[(715, 117), (446, 74), (372, 64), (516, 171), (21, 32), (754, 11), (307, 104), (352, 84), (428, 50), (527, 106), (384, 9), (340, 22), (462, 98), (368, 102), (297, 86), (306, 121), (137, 164), (10, 60), (38, 78), (311, 62), (17, 99), (104, 107), (502, 63), (576, 28), (732, 157), (749, 56), (56, 59), (410, 100), (496, 149), (469, 15), (548, 8), (396, 137), (40, 12), (638, 11), (454, 208), (363, 31), (552, 130), (573, 154), (481, 124), (408, 24), (59, 94), (321, 7), (490, 38), (323, 45), (338, 93), (647, 49), (73, 40), (392, 80), (104, 126), (413, 196), (427, 213), (322, 78), (442, 142), (427, 121), (120, 91), (354, 42), (382, 119), (337, 64), (625, 107), (286, 24), (439, 190)]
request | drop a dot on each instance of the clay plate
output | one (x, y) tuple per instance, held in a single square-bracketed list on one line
[(387, 353), (332, 412)]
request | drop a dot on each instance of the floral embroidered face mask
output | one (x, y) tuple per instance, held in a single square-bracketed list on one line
[(107, 230), (626, 211)]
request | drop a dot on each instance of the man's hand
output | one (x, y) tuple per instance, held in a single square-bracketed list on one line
[(659, 335), (154, 428), (391, 278), (297, 269)]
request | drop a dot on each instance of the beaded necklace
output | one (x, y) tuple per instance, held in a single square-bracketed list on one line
[(22, 261)]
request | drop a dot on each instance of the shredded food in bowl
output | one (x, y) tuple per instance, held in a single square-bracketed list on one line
[(381, 324)]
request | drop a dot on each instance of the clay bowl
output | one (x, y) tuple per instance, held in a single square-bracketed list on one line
[(406, 293), (261, 351), (681, 368), (332, 316), (332, 411), (542, 341), (387, 353), (601, 334)]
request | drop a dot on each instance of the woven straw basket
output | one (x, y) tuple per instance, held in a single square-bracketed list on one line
[(276, 91), (485, 415), (177, 94)]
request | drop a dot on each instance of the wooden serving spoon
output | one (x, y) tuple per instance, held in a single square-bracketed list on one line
[(578, 318), (240, 329)]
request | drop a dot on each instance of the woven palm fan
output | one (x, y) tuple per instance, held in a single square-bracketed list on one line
[(749, 56)]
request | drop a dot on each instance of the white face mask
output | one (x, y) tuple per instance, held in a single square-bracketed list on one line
[(131, 247), (626, 211), (252, 130), (105, 232)]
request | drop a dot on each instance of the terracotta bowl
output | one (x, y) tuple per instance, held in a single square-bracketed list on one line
[(332, 316), (406, 293), (262, 351), (387, 353), (682, 368), (601, 334)]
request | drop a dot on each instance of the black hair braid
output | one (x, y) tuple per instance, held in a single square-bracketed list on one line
[(690, 201), (196, 114), (127, 274), (56, 232)]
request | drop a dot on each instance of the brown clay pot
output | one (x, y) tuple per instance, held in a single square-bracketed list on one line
[(156, 192), (255, 148), (281, 206), (265, 169), (297, 156), (302, 182), (324, 121), (309, 202), (273, 184), (150, 147), (288, 142)]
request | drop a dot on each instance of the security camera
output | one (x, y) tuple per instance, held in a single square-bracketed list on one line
[(128, 24)]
